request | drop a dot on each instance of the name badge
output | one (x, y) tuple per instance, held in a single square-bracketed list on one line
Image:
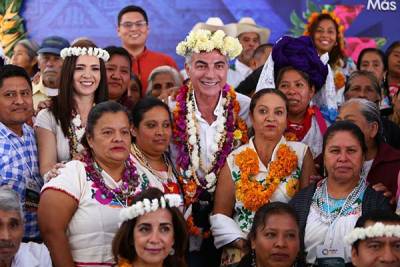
[(330, 256)]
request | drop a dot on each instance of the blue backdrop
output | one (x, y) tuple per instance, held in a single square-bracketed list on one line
[(171, 20)]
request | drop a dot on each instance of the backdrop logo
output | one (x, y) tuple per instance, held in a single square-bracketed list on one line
[(382, 5)]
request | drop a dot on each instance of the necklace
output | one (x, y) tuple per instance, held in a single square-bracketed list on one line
[(130, 180), (75, 134)]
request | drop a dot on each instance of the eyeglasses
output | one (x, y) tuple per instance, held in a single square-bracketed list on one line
[(138, 24)]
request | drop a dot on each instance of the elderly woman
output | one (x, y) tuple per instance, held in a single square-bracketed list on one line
[(60, 128), (329, 209), (269, 168), (25, 56), (152, 132), (363, 84), (78, 210), (274, 237), (162, 81), (153, 232), (382, 162), (373, 60)]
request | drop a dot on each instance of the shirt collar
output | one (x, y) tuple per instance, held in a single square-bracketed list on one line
[(41, 88), (219, 109), (6, 132), (242, 68), (143, 54)]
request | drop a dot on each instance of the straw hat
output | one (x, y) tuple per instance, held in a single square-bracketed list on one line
[(214, 24), (247, 24)]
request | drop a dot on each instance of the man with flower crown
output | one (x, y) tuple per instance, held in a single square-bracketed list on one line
[(210, 121)]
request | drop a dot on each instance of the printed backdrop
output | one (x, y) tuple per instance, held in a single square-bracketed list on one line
[(170, 20)]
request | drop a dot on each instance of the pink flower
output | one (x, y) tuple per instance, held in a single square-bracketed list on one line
[(354, 45), (347, 14)]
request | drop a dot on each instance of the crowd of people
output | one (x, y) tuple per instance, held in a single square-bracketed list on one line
[(254, 154)]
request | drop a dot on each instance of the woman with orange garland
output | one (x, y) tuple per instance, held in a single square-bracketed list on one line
[(267, 169)]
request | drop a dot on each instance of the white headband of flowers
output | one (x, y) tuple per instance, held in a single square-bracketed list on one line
[(83, 51), (377, 230), (201, 40), (147, 205)]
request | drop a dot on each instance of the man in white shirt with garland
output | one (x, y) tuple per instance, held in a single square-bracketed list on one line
[(210, 121)]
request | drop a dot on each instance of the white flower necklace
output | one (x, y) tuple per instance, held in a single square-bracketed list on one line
[(193, 138), (75, 134)]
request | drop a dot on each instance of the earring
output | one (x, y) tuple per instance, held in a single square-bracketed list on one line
[(172, 252), (253, 258)]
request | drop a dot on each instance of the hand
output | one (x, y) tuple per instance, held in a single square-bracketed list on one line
[(379, 187), (43, 104), (53, 172)]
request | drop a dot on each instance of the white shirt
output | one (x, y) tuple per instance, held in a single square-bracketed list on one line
[(32, 255)]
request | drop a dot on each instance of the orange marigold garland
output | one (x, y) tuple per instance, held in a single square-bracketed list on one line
[(252, 193)]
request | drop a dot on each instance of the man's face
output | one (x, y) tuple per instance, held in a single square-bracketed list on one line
[(377, 252), (207, 72), (250, 41), (50, 69), (16, 103), (118, 76), (133, 30), (11, 232)]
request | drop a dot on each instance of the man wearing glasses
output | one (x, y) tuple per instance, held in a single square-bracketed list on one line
[(133, 29)]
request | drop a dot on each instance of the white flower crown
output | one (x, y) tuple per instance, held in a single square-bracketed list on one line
[(204, 40), (82, 51), (147, 205), (377, 230)]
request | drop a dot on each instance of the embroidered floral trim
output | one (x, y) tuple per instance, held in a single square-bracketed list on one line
[(252, 193), (377, 230), (201, 40)]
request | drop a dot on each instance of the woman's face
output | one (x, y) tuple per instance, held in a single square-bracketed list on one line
[(162, 85), (325, 36), (396, 103), (153, 237), (154, 132), (277, 243), (343, 157), (352, 112), (134, 91), (372, 62), (21, 58), (394, 61), (362, 87), (297, 90), (269, 117), (86, 75), (111, 139)]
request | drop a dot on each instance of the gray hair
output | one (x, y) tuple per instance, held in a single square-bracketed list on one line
[(363, 73), (163, 69), (370, 111), (188, 59), (31, 46), (9, 201)]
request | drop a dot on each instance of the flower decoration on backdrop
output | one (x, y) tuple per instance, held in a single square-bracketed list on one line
[(11, 25), (344, 15)]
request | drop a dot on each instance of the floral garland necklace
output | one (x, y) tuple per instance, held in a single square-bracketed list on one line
[(252, 193), (124, 193), (231, 132), (75, 134)]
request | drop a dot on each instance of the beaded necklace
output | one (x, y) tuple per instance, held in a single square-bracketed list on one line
[(130, 180)]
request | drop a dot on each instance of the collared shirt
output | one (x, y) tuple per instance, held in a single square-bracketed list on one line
[(238, 73), (32, 255), (41, 93), (143, 65), (19, 170)]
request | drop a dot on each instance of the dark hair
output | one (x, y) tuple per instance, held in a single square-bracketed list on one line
[(261, 216), (97, 112), (260, 93), (336, 52), (384, 216), (344, 126), (283, 70), (372, 50), (136, 79), (63, 103), (390, 49), (117, 50), (367, 74), (9, 71), (144, 105), (261, 48), (132, 8), (123, 243)]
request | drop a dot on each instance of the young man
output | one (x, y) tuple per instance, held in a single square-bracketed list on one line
[(19, 168), (133, 30), (375, 240)]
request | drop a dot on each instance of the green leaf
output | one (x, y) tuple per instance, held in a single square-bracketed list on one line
[(295, 19), (380, 41), (312, 7)]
